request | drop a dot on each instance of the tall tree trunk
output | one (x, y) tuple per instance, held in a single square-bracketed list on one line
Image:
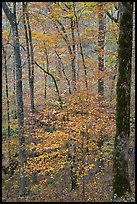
[(30, 67), (28, 54), (31, 57), (45, 86), (80, 45), (47, 69), (121, 183), (83, 163), (133, 164), (14, 90), (72, 154), (73, 55), (101, 45), (19, 95), (8, 102)]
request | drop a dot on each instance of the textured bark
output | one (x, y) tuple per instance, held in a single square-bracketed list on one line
[(101, 45), (73, 55), (46, 79), (30, 53), (80, 45), (72, 152), (28, 56), (31, 71), (14, 91), (19, 95), (120, 163), (133, 164), (8, 102)]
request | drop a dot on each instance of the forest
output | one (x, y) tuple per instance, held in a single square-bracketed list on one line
[(68, 101)]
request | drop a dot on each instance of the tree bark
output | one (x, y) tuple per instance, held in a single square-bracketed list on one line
[(101, 45), (28, 57), (73, 55), (8, 102), (30, 54), (45, 75), (19, 94), (121, 183), (72, 154), (81, 48), (14, 90)]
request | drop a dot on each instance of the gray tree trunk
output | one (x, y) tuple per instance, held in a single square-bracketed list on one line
[(19, 95), (73, 56), (133, 164), (121, 183), (31, 71), (47, 68), (80, 45), (72, 152), (28, 57), (14, 90), (101, 45), (8, 102)]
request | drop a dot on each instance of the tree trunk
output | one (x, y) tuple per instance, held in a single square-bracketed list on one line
[(31, 58), (133, 164), (8, 103), (45, 87), (121, 183), (72, 152), (73, 56), (45, 75), (20, 112), (81, 48), (19, 96), (101, 45), (28, 56), (14, 90)]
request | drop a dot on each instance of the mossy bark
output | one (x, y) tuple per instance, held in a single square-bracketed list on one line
[(121, 183)]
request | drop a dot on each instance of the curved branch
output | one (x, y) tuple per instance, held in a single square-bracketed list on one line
[(8, 13), (112, 17), (53, 80), (63, 71)]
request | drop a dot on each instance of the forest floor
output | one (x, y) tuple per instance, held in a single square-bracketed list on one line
[(96, 189), (92, 188)]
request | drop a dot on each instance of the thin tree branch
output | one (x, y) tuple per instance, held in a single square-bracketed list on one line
[(112, 17), (8, 13), (53, 80)]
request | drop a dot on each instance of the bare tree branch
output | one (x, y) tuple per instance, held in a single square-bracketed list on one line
[(53, 80)]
